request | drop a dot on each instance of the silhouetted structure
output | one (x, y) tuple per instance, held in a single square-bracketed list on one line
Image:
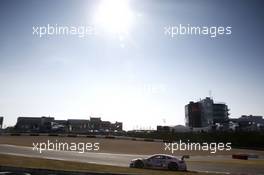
[(49, 124), (1, 122), (34, 124), (205, 113), (193, 115), (177, 128), (249, 123), (77, 125)]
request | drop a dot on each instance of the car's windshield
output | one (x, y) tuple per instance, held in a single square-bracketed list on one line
[(157, 157)]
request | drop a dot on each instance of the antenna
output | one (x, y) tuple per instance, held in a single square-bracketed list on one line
[(210, 94), (164, 121)]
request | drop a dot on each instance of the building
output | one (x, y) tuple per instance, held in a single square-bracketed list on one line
[(95, 123), (1, 122), (163, 128), (249, 123), (220, 113), (117, 126), (34, 124), (78, 125), (49, 124), (176, 129), (105, 125), (193, 115), (205, 113)]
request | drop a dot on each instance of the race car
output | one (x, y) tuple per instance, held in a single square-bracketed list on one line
[(160, 161)]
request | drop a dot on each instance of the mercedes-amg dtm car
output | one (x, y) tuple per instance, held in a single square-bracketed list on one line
[(160, 161)]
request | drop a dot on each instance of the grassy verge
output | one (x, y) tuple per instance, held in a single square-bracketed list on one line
[(27, 162), (253, 162)]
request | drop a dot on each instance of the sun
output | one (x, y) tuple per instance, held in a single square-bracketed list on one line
[(114, 16)]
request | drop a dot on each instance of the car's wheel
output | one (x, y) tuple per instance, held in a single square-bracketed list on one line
[(173, 166), (139, 164)]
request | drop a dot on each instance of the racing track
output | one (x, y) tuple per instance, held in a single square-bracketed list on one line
[(195, 163)]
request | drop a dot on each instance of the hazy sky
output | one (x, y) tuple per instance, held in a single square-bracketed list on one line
[(141, 78)]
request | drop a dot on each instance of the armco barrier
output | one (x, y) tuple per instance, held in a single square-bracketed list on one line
[(253, 156), (55, 135), (158, 140), (149, 140), (91, 136), (33, 134), (15, 134), (240, 156), (109, 137), (123, 138)]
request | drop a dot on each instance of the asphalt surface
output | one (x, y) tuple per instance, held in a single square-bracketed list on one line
[(195, 163)]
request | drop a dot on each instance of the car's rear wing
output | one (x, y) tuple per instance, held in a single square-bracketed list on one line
[(185, 157)]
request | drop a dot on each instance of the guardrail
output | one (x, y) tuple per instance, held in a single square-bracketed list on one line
[(245, 156)]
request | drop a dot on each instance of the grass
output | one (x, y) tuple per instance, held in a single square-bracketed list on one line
[(255, 162), (28, 162)]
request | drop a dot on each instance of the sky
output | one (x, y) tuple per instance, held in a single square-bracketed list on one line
[(129, 70)]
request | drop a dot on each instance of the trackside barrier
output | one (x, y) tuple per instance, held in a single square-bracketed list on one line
[(149, 140), (109, 137), (253, 156), (15, 134), (245, 156), (33, 134), (158, 140), (240, 156), (123, 138), (91, 136), (55, 135)]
